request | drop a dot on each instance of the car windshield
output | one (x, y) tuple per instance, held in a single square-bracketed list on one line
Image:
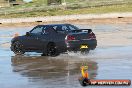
[(38, 29)]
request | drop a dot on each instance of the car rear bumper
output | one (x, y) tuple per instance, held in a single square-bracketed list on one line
[(76, 45)]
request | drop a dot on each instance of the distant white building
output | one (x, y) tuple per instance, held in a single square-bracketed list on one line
[(27, 0)]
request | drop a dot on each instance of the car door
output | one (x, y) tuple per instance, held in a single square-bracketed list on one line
[(60, 35), (33, 40)]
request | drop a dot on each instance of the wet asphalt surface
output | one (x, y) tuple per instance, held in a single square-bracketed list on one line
[(112, 59)]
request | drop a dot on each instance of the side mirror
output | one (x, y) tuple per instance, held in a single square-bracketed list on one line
[(27, 34)]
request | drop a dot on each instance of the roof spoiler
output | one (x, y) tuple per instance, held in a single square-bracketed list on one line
[(85, 30), (88, 30)]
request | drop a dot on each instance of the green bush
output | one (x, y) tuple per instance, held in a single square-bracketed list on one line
[(50, 2)]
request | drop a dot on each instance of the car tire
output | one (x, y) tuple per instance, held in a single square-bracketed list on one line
[(52, 50), (43, 54), (17, 48)]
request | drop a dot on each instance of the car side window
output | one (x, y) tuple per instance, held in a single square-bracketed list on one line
[(57, 28), (72, 27), (44, 30), (48, 30), (37, 30), (65, 28)]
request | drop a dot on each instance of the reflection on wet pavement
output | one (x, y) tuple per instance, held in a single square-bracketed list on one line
[(53, 70), (48, 68)]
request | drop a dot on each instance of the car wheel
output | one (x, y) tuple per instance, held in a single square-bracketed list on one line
[(17, 48), (43, 54), (52, 50)]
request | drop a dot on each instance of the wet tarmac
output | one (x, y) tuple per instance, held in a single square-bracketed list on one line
[(112, 59)]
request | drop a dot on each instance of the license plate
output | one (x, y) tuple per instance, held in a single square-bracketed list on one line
[(84, 46)]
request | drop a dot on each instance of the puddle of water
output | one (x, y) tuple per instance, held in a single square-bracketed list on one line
[(61, 71)]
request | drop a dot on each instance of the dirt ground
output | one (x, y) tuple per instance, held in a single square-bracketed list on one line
[(119, 20)]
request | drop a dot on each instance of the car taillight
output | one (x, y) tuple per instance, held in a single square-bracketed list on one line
[(92, 35), (70, 37)]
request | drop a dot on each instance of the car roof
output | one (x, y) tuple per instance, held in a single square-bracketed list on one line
[(54, 24)]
